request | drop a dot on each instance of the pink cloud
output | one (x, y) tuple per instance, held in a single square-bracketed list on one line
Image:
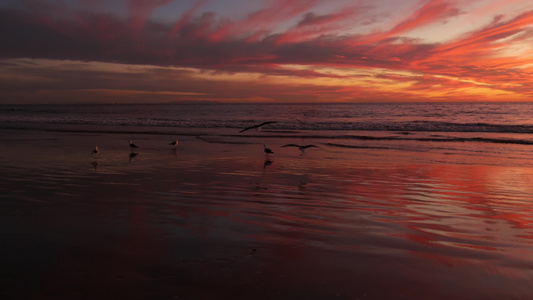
[(186, 17), (430, 11), (481, 51), (261, 20), (313, 25), (140, 10), (483, 39)]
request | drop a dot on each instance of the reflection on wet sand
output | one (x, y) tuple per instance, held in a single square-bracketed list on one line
[(174, 152), (132, 155), (267, 163), (379, 228)]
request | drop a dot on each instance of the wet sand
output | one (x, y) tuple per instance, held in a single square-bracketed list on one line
[(215, 220)]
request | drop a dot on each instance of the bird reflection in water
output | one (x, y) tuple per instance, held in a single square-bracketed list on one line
[(267, 163), (174, 152), (94, 163), (132, 155)]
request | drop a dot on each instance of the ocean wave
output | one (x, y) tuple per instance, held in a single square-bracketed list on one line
[(282, 125)]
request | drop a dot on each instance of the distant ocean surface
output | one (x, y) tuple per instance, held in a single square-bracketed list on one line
[(464, 127)]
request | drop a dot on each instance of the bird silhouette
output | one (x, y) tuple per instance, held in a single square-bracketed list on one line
[(95, 151), (267, 150), (302, 148), (258, 127), (132, 145), (174, 143)]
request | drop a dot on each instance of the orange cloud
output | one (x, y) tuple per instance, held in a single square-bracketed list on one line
[(302, 49)]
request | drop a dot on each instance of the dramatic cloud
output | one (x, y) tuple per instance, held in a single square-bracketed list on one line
[(277, 50)]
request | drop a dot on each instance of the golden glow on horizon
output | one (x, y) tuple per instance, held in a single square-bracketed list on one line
[(349, 81), (112, 92)]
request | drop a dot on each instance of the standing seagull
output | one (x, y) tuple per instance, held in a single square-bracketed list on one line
[(258, 127), (174, 143), (95, 151), (302, 148), (132, 145), (267, 151)]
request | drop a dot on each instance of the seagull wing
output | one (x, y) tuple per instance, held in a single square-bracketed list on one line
[(309, 146), (256, 126), (248, 128), (265, 123)]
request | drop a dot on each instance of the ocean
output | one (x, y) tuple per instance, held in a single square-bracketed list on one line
[(396, 201), (377, 117), (475, 129)]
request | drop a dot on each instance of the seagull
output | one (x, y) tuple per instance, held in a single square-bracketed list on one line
[(267, 150), (302, 148), (174, 143), (95, 151), (257, 126), (132, 145)]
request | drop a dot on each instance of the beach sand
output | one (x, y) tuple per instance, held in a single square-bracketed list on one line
[(213, 219)]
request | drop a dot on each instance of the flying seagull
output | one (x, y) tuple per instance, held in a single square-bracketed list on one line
[(258, 127), (302, 148), (174, 143), (95, 151)]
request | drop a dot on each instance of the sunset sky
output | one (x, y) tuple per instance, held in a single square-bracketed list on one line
[(131, 51)]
